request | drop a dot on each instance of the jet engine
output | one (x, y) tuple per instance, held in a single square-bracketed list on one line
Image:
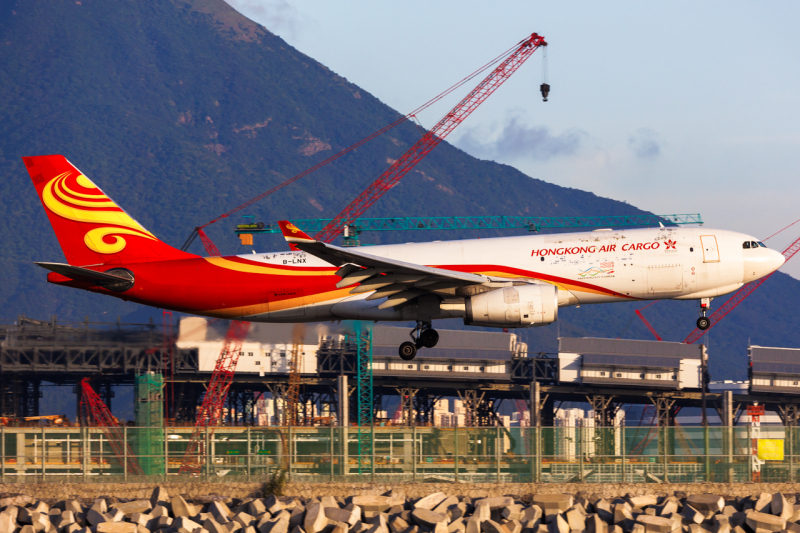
[(519, 306)]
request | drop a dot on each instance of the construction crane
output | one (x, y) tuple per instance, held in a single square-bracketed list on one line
[(209, 245), (740, 296), (295, 368), (97, 414), (210, 412), (352, 231), (432, 138)]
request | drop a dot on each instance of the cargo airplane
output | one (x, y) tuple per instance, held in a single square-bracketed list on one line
[(507, 282)]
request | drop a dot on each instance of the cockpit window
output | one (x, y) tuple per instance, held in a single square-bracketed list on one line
[(753, 244), (761, 244), (746, 245)]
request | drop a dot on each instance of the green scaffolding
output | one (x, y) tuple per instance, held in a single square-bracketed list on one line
[(148, 435), (365, 397)]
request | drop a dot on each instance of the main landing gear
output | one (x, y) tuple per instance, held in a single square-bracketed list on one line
[(424, 336), (703, 323)]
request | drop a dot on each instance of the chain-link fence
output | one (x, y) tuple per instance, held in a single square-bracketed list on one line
[(404, 454)]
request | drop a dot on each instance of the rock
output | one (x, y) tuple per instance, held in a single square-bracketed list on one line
[(622, 512), (116, 527), (457, 526), (7, 523), (427, 518), (496, 503), (220, 511), (792, 527), (64, 519), (93, 517), (162, 522), (481, 513), (159, 496), (72, 528), (373, 503), (767, 522), (533, 512), (552, 504), (576, 518), (655, 524), (445, 504), (16, 499), (780, 507), (558, 524), (473, 526), (273, 504), (763, 503), (691, 514), (297, 516), (315, 520), (397, 524), (642, 501), (721, 524), (490, 526), (159, 510), (512, 512), (706, 504), (181, 507), (182, 524), (594, 524), (430, 501), (141, 519), (243, 518), (212, 526), (340, 515), (512, 526), (136, 506)]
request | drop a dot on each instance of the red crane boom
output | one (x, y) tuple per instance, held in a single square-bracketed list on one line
[(98, 414), (739, 296), (210, 412), (432, 138)]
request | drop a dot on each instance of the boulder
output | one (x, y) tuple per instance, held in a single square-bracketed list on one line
[(766, 522), (558, 524), (642, 501), (340, 515), (706, 504), (181, 507), (315, 520), (93, 517), (655, 524), (183, 524), (427, 518), (116, 527), (764, 503), (445, 504), (691, 515), (159, 496), (7, 523), (373, 503), (497, 502), (490, 526), (430, 501), (780, 507), (553, 503)]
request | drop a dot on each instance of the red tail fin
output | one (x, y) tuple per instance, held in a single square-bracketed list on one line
[(90, 227)]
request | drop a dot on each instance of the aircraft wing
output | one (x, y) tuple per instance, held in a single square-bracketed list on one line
[(399, 281)]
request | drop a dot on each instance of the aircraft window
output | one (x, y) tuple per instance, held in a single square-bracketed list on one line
[(761, 244), (746, 245), (753, 244)]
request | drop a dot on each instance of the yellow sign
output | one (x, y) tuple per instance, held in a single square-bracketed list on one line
[(770, 449)]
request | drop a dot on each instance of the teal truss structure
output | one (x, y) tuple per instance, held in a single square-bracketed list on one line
[(351, 232), (365, 396)]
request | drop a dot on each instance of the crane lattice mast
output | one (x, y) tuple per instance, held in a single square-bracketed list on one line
[(432, 138)]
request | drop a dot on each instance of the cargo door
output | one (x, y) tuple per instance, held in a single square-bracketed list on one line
[(710, 248), (664, 279)]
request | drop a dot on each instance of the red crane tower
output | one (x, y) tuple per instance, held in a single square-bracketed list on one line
[(210, 411), (97, 414), (432, 138)]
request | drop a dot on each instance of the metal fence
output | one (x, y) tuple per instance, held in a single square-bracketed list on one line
[(405, 454)]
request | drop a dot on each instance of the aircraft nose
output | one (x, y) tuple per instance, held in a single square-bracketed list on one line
[(777, 259)]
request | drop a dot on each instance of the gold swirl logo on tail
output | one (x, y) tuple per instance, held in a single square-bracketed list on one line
[(291, 227), (94, 207)]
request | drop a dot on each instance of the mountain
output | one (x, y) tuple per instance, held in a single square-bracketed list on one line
[(181, 110)]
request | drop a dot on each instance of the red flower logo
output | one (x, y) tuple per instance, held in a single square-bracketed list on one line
[(671, 244)]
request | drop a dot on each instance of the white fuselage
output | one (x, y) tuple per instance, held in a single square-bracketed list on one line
[(587, 268)]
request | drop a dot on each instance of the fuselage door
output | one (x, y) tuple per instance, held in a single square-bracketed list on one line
[(710, 248)]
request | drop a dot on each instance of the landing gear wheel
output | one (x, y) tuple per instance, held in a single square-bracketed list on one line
[(428, 338), (408, 351), (703, 323)]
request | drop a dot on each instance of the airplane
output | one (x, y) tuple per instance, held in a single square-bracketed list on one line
[(505, 282)]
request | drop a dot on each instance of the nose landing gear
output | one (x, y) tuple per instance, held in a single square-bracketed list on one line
[(423, 335), (703, 323)]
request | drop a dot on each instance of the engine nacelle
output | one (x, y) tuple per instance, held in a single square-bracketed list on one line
[(519, 306)]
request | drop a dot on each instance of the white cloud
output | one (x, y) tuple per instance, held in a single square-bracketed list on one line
[(278, 16)]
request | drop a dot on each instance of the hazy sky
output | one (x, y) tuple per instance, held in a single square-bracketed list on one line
[(678, 107)]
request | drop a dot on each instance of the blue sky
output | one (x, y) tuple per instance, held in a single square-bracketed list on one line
[(678, 107)]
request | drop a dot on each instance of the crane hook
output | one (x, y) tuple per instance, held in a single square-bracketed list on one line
[(545, 88)]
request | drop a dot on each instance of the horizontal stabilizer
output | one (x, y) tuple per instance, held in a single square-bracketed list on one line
[(83, 274)]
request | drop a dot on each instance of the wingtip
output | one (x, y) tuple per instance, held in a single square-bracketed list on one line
[(292, 233)]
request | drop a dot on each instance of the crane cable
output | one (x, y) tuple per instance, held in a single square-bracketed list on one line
[(199, 229)]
